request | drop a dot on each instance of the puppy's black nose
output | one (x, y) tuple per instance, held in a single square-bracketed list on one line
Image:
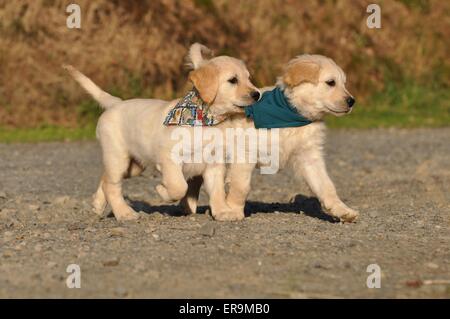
[(255, 95), (350, 101)]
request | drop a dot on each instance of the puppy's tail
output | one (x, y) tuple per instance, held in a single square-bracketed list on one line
[(105, 100)]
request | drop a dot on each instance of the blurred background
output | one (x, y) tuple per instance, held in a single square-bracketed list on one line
[(399, 73)]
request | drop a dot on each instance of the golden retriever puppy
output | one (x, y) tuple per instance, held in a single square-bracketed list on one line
[(132, 134), (313, 86)]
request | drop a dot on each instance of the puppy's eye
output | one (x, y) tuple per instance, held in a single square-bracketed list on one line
[(331, 82), (233, 80)]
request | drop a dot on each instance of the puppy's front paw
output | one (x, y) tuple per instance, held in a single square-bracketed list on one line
[(126, 215), (344, 213), (228, 215)]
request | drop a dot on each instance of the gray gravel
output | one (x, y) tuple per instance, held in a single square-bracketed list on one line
[(397, 179)]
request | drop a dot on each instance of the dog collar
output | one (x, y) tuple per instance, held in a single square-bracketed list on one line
[(191, 110), (273, 110)]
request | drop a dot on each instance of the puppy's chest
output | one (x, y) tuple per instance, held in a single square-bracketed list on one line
[(298, 142)]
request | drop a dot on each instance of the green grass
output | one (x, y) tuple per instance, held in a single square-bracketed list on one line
[(47, 134), (408, 105), (404, 106)]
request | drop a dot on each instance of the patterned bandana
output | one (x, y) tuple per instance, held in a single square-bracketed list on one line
[(191, 110)]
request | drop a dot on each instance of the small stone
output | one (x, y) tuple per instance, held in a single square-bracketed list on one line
[(3, 194), (373, 214), (150, 230), (207, 230), (10, 223), (51, 264), (156, 237), (7, 254), (111, 262), (414, 283), (61, 200), (18, 247), (8, 211), (432, 265), (76, 226), (352, 244), (363, 224), (117, 232), (121, 292), (153, 274), (142, 213), (8, 234), (318, 265), (139, 267), (34, 207), (259, 263)]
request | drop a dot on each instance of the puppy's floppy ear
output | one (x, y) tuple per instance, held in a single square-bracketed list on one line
[(300, 72), (206, 81), (196, 55)]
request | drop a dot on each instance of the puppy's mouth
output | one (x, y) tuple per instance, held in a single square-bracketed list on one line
[(339, 112), (243, 104)]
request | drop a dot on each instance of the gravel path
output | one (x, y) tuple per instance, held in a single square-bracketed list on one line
[(399, 180)]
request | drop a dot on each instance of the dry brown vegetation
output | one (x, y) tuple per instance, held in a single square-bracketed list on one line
[(137, 47)]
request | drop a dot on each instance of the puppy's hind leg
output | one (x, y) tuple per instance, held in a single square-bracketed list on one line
[(99, 199), (189, 201), (116, 166)]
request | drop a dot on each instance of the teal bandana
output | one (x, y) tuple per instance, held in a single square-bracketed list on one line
[(273, 110), (191, 110)]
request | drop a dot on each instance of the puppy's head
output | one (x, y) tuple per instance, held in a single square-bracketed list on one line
[(223, 82), (316, 86)]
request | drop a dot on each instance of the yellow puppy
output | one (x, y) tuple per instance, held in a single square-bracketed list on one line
[(314, 86), (132, 134)]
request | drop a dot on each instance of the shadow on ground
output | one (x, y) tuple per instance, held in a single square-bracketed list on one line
[(310, 206)]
